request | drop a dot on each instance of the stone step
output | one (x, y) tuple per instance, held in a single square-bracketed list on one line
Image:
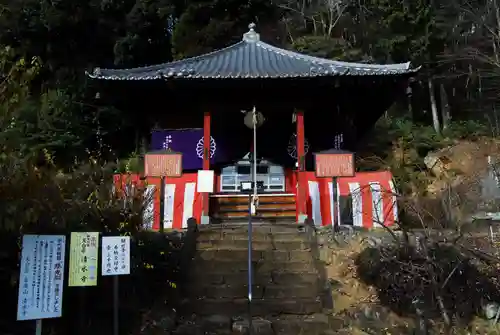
[(243, 220), (315, 324), (265, 214), (266, 255), (238, 199), (256, 245), (241, 278), (268, 291), (262, 207), (258, 266), (260, 307), (257, 235), (257, 227)]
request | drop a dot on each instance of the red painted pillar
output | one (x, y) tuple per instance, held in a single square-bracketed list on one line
[(206, 156), (301, 161)]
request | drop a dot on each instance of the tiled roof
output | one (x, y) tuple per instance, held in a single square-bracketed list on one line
[(251, 58)]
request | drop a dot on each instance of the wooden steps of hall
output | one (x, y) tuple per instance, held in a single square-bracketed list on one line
[(277, 206)]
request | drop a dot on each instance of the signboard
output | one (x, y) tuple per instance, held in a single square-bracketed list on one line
[(163, 164), (41, 277), (205, 181), (334, 164), (115, 255), (83, 259)]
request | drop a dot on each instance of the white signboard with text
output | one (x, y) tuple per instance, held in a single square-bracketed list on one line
[(41, 277), (115, 255), (205, 181)]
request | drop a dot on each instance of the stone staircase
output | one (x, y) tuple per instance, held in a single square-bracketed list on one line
[(289, 284)]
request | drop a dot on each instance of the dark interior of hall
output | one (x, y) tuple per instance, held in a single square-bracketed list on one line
[(336, 105)]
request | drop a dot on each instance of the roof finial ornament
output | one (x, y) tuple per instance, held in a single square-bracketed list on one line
[(251, 36)]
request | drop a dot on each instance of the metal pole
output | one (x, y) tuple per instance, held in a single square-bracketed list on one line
[(162, 203), (251, 203), (115, 305), (335, 204), (250, 325), (38, 327), (83, 315), (254, 153)]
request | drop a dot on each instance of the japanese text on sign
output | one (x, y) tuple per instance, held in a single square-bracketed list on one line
[(334, 165), (166, 165), (42, 277), (83, 259), (115, 255)]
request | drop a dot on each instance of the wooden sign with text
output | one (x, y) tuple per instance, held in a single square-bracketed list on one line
[(331, 165), (163, 164)]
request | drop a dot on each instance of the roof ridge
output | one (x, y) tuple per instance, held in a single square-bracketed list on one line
[(325, 61), (176, 62), (297, 55)]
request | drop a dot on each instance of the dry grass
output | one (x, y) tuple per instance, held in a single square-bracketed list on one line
[(352, 298), (352, 292)]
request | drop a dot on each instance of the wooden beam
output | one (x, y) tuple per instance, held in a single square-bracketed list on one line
[(206, 156), (301, 161)]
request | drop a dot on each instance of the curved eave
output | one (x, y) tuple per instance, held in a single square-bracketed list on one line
[(251, 60), (105, 75), (195, 76)]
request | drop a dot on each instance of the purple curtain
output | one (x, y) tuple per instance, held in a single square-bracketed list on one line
[(189, 142)]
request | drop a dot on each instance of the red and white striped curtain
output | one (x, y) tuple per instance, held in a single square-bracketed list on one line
[(370, 195)]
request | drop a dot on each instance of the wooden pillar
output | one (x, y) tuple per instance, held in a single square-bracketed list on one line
[(206, 162), (301, 167)]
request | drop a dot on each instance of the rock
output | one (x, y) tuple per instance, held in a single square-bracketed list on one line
[(259, 326), (490, 310), (216, 322), (189, 329), (373, 241), (438, 163), (334, 284), (322, 240), (375, 313), (325, 255), (166, 322), (160, 320)]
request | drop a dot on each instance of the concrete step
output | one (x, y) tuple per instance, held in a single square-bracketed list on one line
[(258, 266), (268, 291), (241, 278), (266, 255), (260, 307), (256, 245)]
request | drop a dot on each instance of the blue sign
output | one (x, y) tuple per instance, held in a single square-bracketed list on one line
[(41, 278)]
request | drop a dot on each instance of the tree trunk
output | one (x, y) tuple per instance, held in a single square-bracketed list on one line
[(496, 39), (435, 117), (445, 107)]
